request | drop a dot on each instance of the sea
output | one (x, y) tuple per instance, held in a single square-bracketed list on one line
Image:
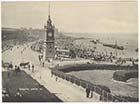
[(128, 41)]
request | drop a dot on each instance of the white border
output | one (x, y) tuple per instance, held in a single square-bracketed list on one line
[(78, 0)]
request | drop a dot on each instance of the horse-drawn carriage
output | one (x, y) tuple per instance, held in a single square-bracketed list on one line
[(24, 64), (7, 65)]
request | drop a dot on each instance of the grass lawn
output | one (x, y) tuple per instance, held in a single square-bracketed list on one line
[(23, 88), (105, 77)]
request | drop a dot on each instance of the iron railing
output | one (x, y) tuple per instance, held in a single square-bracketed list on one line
[(104, 95)]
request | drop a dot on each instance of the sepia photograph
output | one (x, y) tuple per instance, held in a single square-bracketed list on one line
[(69, 51)]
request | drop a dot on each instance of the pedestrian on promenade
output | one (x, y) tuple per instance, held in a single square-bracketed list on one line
[(33, 68), (87, 92), (133, 62), (10, 67), (43, 64), (39, 58), (16, 69), (28, 66), (91, 94), (48, 61), (51, 73), (56, 78)]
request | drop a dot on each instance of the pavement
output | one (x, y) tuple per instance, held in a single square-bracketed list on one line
[(64, 90)]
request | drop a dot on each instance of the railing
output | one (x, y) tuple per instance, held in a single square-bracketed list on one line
[(104, 94)]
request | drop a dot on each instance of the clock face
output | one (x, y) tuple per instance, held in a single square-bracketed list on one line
[(49, 34)]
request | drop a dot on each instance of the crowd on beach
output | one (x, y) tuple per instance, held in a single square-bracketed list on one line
[(101, 56)]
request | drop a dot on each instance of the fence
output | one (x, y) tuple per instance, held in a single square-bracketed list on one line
[(104, 93)]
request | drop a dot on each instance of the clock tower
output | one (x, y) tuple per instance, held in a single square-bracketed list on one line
[(50, 41)]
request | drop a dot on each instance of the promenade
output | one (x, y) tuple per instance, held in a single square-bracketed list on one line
[(64, 90)]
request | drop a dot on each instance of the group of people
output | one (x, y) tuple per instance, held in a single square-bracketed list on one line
[(103, 57), (40, 57), (15, 68), (89, 93), (31, 67), (90, 53)]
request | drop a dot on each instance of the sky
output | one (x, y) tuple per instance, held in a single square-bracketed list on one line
[(79, 17)]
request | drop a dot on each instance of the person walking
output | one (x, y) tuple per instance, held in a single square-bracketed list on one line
[(39, 58), (33, 68), (16, 69), (56, 79), (91, 94), (133, 62), (28, 66), (87, 92), (43, 64), (10, 67)]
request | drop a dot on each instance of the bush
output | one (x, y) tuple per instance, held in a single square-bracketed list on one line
[(124, 75), (128, 98)]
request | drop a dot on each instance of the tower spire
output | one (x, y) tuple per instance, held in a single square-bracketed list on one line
[(49, 8)]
